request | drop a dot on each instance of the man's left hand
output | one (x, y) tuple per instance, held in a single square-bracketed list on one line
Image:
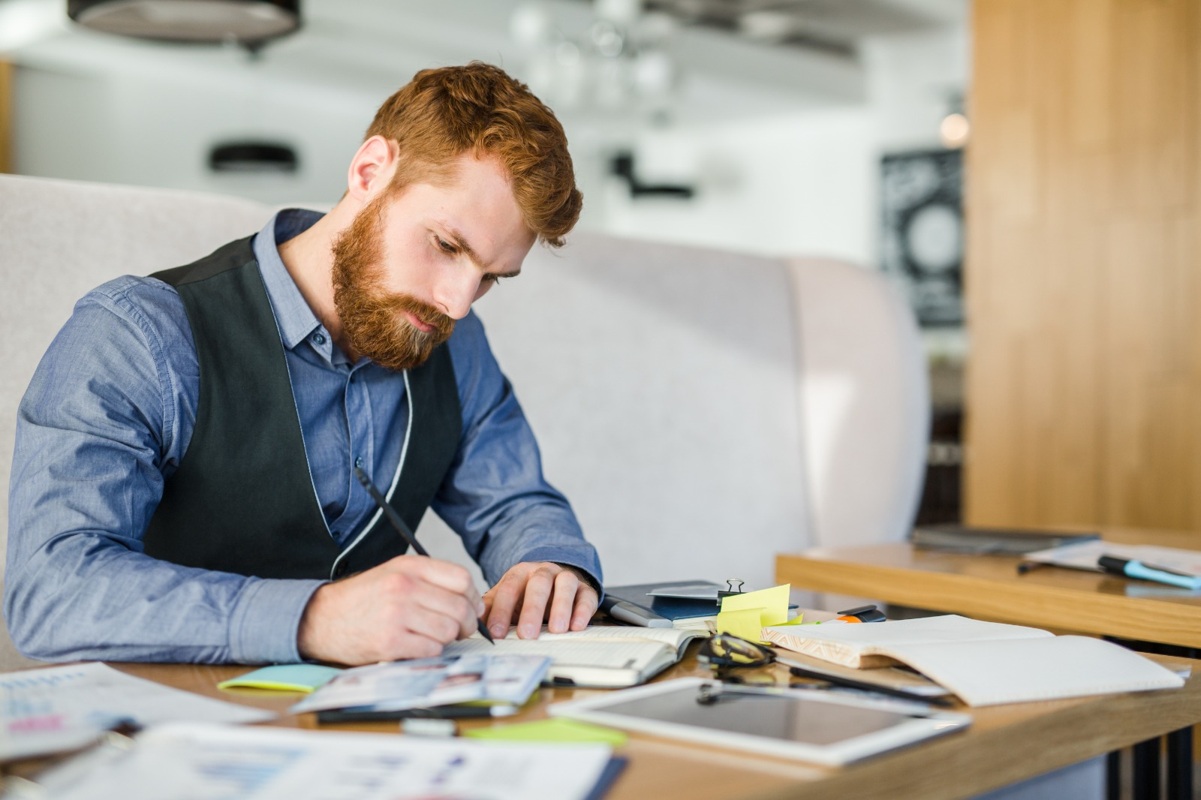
[(531, 592)]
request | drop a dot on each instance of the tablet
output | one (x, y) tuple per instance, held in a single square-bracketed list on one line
[(822, 727)]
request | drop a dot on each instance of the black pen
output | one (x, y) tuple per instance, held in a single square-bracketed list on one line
[(403, 530), (442, 712), (851, 683)]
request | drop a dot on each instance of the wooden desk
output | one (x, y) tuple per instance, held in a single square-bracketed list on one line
[(1005, 744), (989, 587)]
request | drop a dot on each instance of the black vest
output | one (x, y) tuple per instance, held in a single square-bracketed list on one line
[(242, 499)]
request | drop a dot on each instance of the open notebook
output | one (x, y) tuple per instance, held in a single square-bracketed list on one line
[(603, 656), (984, 663)]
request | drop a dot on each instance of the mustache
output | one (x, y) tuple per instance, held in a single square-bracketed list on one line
[(442, 324)]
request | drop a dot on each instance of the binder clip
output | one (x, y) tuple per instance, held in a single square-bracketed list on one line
[(729, 590)]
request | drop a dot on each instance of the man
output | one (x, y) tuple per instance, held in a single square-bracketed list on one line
[(183, 479)]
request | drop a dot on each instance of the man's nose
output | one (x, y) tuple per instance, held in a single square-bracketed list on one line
[(457, 293)]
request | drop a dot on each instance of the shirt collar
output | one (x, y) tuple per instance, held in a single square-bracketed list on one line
[(296, 320)]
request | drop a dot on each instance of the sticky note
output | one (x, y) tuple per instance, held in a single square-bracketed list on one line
[(555, 729), (746, 623), (773, 601), (283, 677)]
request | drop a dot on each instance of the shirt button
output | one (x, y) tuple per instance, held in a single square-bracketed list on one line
[(358, 462), (319, 338)]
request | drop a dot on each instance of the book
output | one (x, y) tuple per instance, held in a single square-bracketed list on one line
[(661, 604), (427, 682), (600, 656), (983, 663), (992, 541)]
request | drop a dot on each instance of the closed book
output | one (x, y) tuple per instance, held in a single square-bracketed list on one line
[(983, 663)]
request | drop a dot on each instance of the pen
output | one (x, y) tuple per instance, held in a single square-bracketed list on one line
[(851, 683), (446, 712), (403, 530), (1133, 568)]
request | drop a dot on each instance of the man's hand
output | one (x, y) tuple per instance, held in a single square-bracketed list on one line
[(531, 592), (408, 607)]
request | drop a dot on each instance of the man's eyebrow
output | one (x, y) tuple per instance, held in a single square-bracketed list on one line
[(461, 243)]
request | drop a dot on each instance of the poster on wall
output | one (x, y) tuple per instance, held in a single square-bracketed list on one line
[(922, 203)]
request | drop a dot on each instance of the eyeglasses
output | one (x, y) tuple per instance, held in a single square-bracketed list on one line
[(724, 650)]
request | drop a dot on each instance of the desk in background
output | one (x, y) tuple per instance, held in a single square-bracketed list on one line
[(989, 587), (1006, 744)]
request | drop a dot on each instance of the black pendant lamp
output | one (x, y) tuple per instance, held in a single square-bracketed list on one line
[(247, 22)]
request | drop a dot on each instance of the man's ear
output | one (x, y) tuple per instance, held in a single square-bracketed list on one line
[(371, 168)]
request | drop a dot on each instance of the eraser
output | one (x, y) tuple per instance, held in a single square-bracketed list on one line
[(437, 728)]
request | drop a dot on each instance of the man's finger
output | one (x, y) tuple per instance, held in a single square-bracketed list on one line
[(506, 597), (538, 589), (586, 603), (562, 601)]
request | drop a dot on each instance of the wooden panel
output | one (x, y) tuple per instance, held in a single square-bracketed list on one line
[(6, 116), (1082, 286)]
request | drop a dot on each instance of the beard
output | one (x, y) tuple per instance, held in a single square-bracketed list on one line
[(373, 319)]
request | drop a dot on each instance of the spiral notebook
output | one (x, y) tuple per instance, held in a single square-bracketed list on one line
[(983, 663)]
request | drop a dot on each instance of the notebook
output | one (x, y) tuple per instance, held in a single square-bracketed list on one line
[(601, 656), (999, 541), (984, 663)]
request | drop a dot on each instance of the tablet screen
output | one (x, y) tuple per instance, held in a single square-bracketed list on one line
[(770, 716)]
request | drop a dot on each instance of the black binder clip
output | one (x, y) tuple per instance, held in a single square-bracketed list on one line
[(729, 590)]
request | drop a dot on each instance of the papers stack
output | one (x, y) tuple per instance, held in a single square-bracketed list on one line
[(426, 682), (64, 708)]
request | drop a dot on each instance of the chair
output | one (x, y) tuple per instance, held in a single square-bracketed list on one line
[(702, 409)]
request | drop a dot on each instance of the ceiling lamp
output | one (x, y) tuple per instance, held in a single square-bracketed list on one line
[(246, 22), (253, 156)]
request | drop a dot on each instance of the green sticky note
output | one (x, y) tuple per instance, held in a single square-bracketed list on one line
[(555, 729), (773, 601), (283, 677)]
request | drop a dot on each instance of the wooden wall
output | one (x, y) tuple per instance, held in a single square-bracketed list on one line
[(6, 116), (1083, 278)]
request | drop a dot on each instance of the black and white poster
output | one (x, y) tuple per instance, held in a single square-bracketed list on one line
[(923, 244)]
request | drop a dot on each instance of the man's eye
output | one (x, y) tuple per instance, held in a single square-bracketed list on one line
[(446, 246)]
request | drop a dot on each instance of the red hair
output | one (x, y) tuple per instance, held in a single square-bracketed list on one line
[(478, 108)]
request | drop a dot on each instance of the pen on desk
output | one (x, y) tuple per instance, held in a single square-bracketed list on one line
[(403, 530), (1133, 568), (850, 683), (447, 712)]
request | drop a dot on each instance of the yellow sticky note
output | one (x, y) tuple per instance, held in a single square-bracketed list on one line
[(773, 601), (555, 729), (745, 623)]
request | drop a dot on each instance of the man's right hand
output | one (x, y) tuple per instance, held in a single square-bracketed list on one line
[(408, 607)]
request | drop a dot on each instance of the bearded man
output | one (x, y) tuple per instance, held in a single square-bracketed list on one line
[(183, 481)]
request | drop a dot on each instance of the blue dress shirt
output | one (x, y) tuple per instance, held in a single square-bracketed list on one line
[(109, 414)]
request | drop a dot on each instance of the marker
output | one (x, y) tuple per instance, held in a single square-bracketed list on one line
[(437, 712), (403, 530), (1133, 568)]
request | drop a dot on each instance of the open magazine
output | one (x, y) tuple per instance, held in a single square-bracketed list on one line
[(424, 682)]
